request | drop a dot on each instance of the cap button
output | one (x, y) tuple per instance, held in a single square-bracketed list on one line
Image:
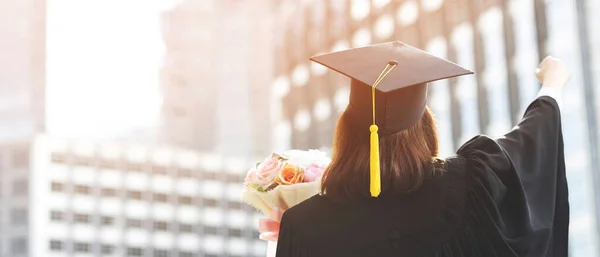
[(373, 128)]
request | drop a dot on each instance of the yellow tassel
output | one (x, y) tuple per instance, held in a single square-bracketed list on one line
[(375, 177), (375, 171)]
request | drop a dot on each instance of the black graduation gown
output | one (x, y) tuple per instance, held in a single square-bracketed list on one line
[(497, 197)]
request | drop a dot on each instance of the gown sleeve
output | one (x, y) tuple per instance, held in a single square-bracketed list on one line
[(290, 242), (519, 179)]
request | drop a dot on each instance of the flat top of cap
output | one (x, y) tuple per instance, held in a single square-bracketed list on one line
[(415, 66)]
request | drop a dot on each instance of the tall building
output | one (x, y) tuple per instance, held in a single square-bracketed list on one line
[(113, 199), (14, 196), (569, 38), (588, 33), (188, 83), (503, 41), (22, 68), (22, 111), (216, 76)]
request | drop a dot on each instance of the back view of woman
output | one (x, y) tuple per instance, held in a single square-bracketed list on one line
[(387, 194)]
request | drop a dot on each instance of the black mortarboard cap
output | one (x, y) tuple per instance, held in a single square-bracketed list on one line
[(388, 89), (401, 96)]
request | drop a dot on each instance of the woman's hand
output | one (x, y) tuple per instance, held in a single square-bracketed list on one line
[(553, 73), (269, 228)]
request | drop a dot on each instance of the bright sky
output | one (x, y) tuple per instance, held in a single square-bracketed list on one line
[(103, 60)]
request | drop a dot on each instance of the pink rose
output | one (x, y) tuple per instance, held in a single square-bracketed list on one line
[(313, 172), (250, 176), (267, 171)]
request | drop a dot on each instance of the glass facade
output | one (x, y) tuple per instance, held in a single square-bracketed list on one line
[(439, 100), (502, 41)]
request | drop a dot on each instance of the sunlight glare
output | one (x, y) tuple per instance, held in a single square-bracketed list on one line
[(103, 60)]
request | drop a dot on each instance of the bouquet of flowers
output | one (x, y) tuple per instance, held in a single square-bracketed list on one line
[(284, 180)]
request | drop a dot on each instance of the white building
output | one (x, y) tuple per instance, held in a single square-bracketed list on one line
[(109, 199)]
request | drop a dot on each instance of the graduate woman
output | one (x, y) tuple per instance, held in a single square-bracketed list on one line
[(387, 194)]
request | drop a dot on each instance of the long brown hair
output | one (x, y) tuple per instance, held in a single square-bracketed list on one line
[(407, 158)]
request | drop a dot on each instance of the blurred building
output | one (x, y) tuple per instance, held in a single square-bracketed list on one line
[(14, 198), (22, 111), (22, 68), (503, 41), (216, 76), (187, 85), (571, 35), (112, 199)]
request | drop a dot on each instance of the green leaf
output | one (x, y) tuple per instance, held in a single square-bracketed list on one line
[(278, 156), (256, 187)]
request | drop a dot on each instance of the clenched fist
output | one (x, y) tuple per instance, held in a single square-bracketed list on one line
[(553, 73)]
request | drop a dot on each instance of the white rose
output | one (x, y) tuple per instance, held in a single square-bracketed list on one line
[(306, 158)]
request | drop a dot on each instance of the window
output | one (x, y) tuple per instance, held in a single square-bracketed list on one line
[(107, 249), (234, 178), (20, 187), (58, 158), (302, 120), (210, 202), (235, 205), (160, 198), (186, 173), (161, 253), (234, 232), (82, 247), (20, 159), (82, 161), (159, 169), (57, 187), (84, 190), (107, 164), (161, 226), (56, 245), (133, 223), (18, 217), (57, 216), (82, 218), (362, 37), (137, 195), (134, 251), (186, 228), (209, 176), (107, 221), (210, 230), (186, 254), (18, 246), (134, 167), (109, 192), (186, 200)]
